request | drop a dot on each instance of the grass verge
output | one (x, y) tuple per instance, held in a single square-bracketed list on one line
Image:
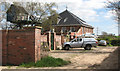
[(46, 62)]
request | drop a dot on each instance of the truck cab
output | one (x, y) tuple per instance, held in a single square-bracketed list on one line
[(85, 43)]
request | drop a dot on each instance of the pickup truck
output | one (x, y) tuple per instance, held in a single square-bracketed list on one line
[(86, 43)]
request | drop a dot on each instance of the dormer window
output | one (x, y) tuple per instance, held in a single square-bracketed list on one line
[(65, 19)]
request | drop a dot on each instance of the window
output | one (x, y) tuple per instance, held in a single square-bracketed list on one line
[(79, 39), (63, 29), (82, 30), (23, 17), (65, 19), (72, 29), (58, 20)]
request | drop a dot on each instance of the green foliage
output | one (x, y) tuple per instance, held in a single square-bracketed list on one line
[(46, 62), (51, 62), (115, 42), (31, 64), (111, 40), (48, 24)]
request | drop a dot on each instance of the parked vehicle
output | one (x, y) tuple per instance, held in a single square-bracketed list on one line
[(85, 43), (102, 42)]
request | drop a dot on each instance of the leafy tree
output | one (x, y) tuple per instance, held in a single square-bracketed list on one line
[(50, 22)]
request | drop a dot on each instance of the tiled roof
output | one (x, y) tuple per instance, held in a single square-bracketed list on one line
[(68, 18), (17, 9)]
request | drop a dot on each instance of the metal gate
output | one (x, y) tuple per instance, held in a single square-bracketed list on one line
[(52, 41)]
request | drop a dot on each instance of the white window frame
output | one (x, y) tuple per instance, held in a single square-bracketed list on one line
[(82, 30)]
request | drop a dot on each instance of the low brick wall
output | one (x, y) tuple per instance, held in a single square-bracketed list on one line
[(43, 38), (58, 40), (20, 46)]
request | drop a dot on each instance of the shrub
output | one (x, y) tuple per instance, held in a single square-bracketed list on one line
[(111, 40), (115, 42), (47, 62), (31, 64)]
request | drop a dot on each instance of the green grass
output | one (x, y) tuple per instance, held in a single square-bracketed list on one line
[(46, 62)]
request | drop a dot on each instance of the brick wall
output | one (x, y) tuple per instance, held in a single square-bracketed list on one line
[(43, 38), (20, 46), (78, 30), (58, 40)]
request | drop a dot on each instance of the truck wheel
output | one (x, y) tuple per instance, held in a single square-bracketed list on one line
[(88, 47), (67, 47)]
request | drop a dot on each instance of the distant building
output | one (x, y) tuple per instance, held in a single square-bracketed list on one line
[(70, 23), (15, 13)]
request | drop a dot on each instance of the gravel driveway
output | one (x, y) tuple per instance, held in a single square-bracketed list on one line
[(97, 58)]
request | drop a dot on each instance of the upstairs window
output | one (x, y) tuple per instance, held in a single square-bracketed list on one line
[(82, 30), (63, 29), (65, 19), (72, 29)]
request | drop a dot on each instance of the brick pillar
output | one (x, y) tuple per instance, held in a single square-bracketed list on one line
[(37, 43)]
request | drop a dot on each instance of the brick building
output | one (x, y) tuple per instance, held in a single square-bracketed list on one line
[(70, 23)]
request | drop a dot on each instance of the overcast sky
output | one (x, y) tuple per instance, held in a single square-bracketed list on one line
[(91, 11)]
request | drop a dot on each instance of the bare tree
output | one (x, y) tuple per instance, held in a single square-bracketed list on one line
[(5, 6), (39, 11), (114, 6)]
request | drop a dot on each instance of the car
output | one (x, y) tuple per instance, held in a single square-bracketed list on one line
[(85, 43), (102, 42)]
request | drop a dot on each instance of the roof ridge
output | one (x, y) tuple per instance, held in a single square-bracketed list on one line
[(73, 19), (81, 21), (77, 17)]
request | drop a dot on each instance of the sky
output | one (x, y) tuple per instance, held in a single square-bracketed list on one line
[(91, 11)]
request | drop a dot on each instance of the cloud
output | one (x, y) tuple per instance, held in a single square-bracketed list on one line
[(109, 14), (83, 9), (113, 29)]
